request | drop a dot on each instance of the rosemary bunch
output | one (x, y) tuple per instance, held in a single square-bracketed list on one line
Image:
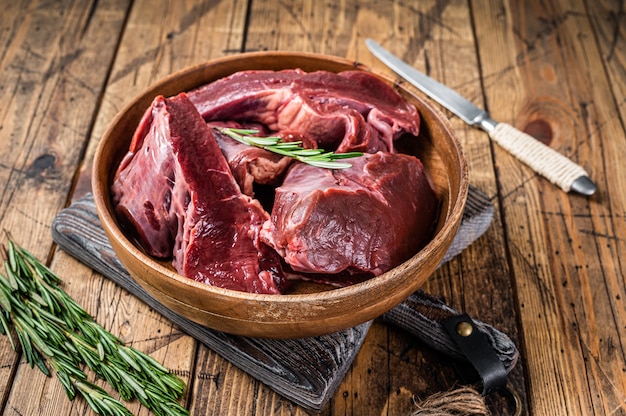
[(56, 332), (315, 157)]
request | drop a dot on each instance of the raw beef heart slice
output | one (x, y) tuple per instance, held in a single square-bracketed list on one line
[(365, 219), (349, 111), (217, 227)]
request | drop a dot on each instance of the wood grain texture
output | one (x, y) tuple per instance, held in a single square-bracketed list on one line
[(48, 103), (61, 58), (546, 69), (548, 271)]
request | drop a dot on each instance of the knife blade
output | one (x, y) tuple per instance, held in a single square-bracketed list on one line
[(544, 160)]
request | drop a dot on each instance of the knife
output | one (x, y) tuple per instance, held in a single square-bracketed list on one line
[(544, 160)]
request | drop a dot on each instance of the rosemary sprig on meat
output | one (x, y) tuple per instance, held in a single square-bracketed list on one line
[(275, 144), (56, 333)]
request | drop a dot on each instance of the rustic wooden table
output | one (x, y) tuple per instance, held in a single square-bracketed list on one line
[(550, 271)]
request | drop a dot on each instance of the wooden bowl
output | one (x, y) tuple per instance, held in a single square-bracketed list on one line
[(312, 310)]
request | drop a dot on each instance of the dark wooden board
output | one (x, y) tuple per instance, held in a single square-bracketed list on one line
[(306, 371)]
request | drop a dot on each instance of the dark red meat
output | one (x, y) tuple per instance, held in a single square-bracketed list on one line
[(366, 219), (186, 190), (350, 111), (176, 191), (143, 184), (249, 164)]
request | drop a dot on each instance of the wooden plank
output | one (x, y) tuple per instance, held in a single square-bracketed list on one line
[(48, 108), (165, 47), (607, 20), (48, 105), (543, 72)]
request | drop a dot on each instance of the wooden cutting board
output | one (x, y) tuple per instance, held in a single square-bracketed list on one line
[(306, 371)]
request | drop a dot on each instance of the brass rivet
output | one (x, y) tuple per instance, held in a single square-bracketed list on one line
[(464, 329)]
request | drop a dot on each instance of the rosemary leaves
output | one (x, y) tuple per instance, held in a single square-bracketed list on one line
[(58, 336), (315, 157)]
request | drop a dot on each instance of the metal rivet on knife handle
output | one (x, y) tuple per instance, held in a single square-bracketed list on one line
[(478, 351), (464, 329), (555, 167)]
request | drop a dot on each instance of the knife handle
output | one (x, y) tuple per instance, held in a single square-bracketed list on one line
[(546, 161)]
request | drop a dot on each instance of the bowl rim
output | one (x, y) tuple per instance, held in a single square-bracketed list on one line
[(102, 196)]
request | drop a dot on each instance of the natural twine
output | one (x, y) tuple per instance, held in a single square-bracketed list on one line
[(464, 401), (543, 159)]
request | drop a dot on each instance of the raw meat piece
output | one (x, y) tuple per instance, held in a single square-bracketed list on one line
[(388, 114), (175, 188), (249, 164), (365, 219), (245, 96), (324, 125), (142, 187), (349, 111), (186, 188)]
